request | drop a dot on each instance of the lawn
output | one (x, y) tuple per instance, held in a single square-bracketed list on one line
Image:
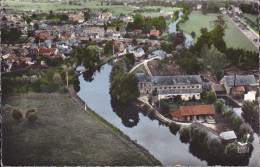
[(54, 6), (251, 17), (140, 69), (64, 134), (233, 36), (170, 9)]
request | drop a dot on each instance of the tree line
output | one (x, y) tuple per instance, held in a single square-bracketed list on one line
[(123, 86)]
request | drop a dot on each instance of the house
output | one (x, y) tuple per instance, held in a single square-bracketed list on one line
[(65, 35), (47, 51), (155, 33), (139, 52), (122, 31), (185, 94), (105, 16), (228, 137), (137, 32), (129, 49), (219, 89), (43, 36), (238, 92), (191, 113), (79, 17), (152, 84), (231, 83)]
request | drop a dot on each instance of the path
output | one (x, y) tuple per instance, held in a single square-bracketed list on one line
[(145, 65)]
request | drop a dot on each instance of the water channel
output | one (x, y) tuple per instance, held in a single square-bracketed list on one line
[(156, 138)]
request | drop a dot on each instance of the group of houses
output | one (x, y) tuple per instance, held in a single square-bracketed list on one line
[(191, 86)]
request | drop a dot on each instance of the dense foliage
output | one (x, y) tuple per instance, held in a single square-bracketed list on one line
[(209, 7), (251, 114), (249, 8), (189, 63), (145, 24), (16, 113), (123, 86), (10, 36), (184, 17)]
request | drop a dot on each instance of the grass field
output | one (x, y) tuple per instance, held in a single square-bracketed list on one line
[(170, 9), (64, 134), (54, 6), (251, 17), (233, 36)]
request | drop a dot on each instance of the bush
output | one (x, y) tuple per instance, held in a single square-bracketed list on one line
[(218, 105), (211, 97), (245, 129), (16, 113), (31, 115), (185, 134), (215, 147)]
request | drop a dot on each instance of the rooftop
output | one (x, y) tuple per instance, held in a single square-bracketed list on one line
[(178, 91), (228, 135), (193, 110), (241, 80)]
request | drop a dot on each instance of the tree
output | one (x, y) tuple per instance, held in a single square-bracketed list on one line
[(64, 17), (164, 108), (211, 97), (193, 34), (30, 33), (57, 79), (251, 113), (218, 105), (245, 129), (179, 39), (176, 15), (220, 22), (185, 134), (86, 16), (134, 41), (36, 26), (16, 113), (28, 20), (231, 151), (31, 115), (213, 60), (108, 48), (4, 18), (215, 147), (138, 21), (189, 63), (203, 30)]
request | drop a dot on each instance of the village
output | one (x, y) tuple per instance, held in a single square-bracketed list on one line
[(172, 75)]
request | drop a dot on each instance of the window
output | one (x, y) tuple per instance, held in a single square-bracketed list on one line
[(192, 86), (188, 87), (174, 87), (179, 87), (183, 87), (198, 86)]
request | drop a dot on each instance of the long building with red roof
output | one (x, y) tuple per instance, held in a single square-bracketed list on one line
[(191, 113)]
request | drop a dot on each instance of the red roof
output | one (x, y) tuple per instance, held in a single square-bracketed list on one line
[(66, 35), (46, 51), (43, 36), (137, 31), (156, 32), (116, 43), (193, 110), (239, 89)]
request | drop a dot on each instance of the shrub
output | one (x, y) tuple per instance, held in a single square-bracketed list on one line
[(245, 129), (185, 134), (215, 147), (218, 105), (16, 113), (31, 115)]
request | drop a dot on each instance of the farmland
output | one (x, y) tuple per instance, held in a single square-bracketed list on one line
[(233, 36), (54, 6), (64, 134)]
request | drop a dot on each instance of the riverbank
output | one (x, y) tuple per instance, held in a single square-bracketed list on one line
[(64, 135)]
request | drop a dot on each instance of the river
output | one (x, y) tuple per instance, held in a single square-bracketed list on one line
[(157, 139)]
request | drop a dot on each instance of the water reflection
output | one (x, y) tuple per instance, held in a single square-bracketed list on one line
[(89, 74), (127, 112)]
